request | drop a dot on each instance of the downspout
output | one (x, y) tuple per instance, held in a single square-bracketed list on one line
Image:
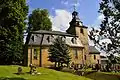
[(83, 56), (31, 55), (41, 50), (25, 61)]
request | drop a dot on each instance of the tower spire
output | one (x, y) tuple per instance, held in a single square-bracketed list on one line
[(75, 13), (74, 7)]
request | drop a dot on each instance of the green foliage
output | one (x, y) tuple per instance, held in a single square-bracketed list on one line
[(39, 20), (59, 52), (110, 25), (12, 24), (109, 29)]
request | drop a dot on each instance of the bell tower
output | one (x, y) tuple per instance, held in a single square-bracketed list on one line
[(77, 28)]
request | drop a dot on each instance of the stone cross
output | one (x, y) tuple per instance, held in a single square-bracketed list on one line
[(75, 4)]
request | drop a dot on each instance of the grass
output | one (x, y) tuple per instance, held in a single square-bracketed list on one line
[(8, 73), (103, 76)]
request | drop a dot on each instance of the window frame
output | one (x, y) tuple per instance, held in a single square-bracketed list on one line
[(74, 40), (94, 57), (75, 53), (35, 55), (48, 39), (85, 57), (81, 30)]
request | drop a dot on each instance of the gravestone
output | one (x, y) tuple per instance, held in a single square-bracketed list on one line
[(19, 70)]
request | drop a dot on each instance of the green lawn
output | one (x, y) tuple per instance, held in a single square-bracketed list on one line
[(8, 73), (103, 76)]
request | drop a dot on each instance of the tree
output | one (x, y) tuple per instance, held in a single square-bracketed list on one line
[(12, 24), (109, 29), (39, 20), (59, 52)]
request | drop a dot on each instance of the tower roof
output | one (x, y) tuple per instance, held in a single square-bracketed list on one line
[(75, 19), (75, 13)]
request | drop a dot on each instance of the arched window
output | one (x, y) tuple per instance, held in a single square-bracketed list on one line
[(85, 57), (35, 54), (94, 57), (81, 31), (76, 53)]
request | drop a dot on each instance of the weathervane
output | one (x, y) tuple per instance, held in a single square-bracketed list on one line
[(75, 4)]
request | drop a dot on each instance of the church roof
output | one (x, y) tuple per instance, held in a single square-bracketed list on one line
[(93, 50), (71, 44), (52, 33), (49, 37)]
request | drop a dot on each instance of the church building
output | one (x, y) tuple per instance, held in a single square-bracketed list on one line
[(76, 36)]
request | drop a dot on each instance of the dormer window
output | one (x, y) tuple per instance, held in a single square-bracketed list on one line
[(48, 39), (63, 38), (74, 40), (34, 38)]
